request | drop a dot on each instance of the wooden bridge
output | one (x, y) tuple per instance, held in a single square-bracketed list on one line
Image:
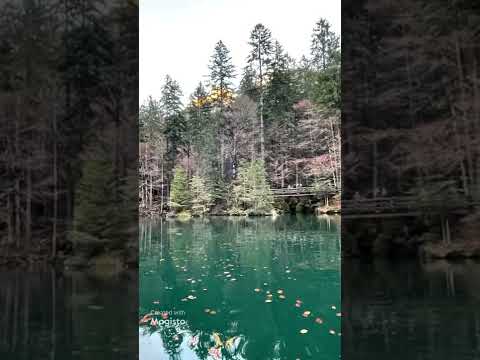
[(405, 206), (302, 191)]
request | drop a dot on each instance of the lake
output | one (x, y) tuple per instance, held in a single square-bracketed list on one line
[(240, 288), (409, 309), (399, 310), (52, 315)]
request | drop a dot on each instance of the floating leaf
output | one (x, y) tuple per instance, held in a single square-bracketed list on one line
[(217, 339)]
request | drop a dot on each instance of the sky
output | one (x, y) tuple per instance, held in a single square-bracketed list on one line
[(177, 37)]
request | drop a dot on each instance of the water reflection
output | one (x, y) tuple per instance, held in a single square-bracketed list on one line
[(245, 288), (410, 310), (50, 315)]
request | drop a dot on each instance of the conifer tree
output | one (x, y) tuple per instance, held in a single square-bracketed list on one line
[(325, 50), (179, 192), (251, 193), (280, 92), (201, 196), (149, 120), (260, 60), (247, 83), (221, 74), (175, 124), (94, 224), (325, 44)]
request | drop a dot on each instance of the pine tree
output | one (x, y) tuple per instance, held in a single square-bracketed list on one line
[(198, 110), (222, 72), (251, 193), (280, 92), (201, 196), (260, 60), (247, 84), (179, 193), (175, 124), (95, 215), (150, 120), (325, 44), (325, 50)]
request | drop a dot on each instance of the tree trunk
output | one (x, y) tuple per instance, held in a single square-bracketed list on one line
[(55, 188), (466, 125), (17, 212), (28, 209), (262, 138)]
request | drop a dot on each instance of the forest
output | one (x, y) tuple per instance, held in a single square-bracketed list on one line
[(228, 146), (68, 130), (410, 121)]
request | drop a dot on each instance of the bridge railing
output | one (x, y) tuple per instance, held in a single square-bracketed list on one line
[(303, 191), (406, 203)]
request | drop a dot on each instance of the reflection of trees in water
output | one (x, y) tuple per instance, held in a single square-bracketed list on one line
[(414, 310), (47, 315), (174, 339), (208, 247)]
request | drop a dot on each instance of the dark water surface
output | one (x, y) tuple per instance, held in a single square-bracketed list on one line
[(411, 310), (49, 315), (199, 278)]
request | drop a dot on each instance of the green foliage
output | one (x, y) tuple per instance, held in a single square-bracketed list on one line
[(251, 193), (179, 193), (172, 111), (325, 44), (200, 195), (149, 120), (281, 90), (327, 85), (97, 226), (221, 72), (247, 84), (278, 113), (260, 57)]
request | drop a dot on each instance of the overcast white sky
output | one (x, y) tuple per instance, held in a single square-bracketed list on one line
[(177, 37)]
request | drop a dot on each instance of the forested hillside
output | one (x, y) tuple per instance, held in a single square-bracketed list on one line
[(228, 146), (68, 140)]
